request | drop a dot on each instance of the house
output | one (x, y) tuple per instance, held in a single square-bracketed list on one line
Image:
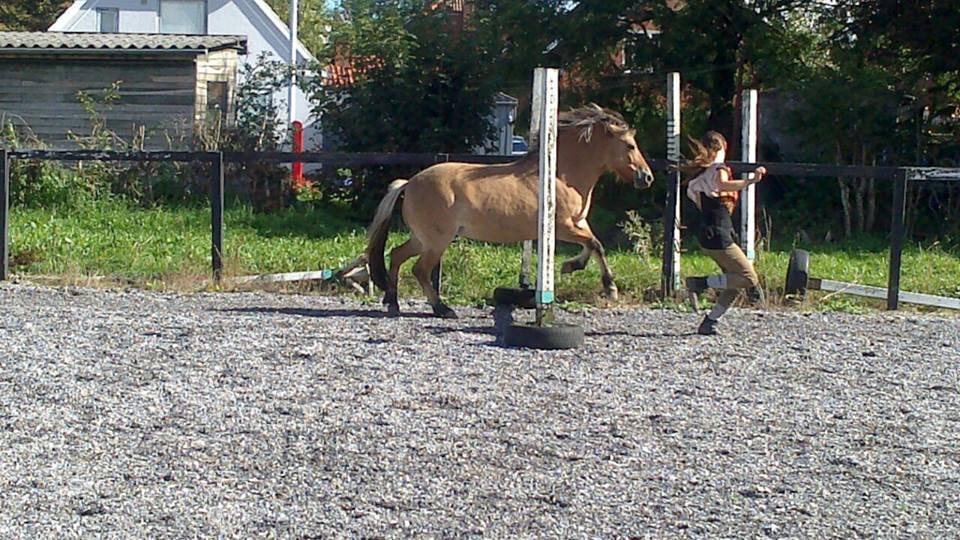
[(264, 31), (169, 85)]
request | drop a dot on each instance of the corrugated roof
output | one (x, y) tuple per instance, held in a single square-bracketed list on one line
[(100, 41)]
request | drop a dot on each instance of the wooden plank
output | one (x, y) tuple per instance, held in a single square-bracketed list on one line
[(816, 170), (97, 155), (881, 293)]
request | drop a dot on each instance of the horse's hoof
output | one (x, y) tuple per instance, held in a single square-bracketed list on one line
[(612, 294), (444, 312), (393, 310)]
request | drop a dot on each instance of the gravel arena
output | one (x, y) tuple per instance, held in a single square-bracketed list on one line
[(134, 414)]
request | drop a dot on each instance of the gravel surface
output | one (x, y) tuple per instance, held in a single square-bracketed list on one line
[(133, 414)]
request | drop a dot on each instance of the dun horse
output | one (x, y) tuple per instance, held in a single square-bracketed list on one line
[(498, 203)]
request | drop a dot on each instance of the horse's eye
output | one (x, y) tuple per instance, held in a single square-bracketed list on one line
[(631, 147)]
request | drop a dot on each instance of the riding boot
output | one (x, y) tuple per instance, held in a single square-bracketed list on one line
[(708, 327)]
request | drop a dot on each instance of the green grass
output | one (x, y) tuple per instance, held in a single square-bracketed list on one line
[(157, 247)]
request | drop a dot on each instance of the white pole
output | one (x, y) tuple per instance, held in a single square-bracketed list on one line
[(748, 145), (546, 214), (536, 109), (291, 96), (673, 154)]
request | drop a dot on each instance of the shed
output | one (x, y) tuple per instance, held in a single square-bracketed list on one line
[(168, 85)]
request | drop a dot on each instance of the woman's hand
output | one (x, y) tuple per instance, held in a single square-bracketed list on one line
[(758, 174)]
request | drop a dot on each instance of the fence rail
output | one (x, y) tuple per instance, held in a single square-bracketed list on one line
[(901, 175)]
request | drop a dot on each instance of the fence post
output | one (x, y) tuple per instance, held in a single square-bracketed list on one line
[(748, 154), (670, 278), (4, 214), (896, 238), (216, 215)]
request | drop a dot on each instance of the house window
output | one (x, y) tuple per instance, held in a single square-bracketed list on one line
[(217, 101), (183, 17), (108, 20)]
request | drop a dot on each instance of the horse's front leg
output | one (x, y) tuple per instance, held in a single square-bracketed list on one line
[(577, 263), (570, 232)]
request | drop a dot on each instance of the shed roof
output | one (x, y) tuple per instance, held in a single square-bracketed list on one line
[(102, 42)]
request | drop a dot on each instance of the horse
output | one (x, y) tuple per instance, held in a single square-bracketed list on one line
[(498, 203)]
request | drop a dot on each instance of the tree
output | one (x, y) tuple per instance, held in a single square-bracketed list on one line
[(420, 84), (31, 15), (313, 18), (723, 46)]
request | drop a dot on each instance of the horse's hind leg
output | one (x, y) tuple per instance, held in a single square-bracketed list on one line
[(398, 256), (422, 270)]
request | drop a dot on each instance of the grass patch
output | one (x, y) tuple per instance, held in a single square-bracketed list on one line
[(170, 248)]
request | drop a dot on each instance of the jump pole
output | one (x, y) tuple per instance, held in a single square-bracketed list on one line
[(748, 154), (536, 106), (670, 279), (545, 334), (547, 205)]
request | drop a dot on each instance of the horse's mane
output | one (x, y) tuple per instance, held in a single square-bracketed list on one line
[(585, 119)]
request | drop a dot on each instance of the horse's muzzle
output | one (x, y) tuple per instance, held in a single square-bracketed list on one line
[(642, 179)]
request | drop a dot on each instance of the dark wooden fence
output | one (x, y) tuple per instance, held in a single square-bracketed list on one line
[(901, 177)]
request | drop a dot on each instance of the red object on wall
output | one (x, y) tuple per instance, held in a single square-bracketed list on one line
[(297, 169)]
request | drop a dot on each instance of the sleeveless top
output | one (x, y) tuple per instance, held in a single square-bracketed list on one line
[(716, 207), (716, 225)]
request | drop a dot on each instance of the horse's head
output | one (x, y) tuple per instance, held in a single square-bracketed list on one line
[(625, 158), (610, 141)]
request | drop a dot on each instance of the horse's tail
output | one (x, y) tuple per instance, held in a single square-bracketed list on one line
[(377, 233)]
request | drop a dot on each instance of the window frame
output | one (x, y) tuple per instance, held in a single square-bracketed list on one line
[(116, 15), (206, 15)]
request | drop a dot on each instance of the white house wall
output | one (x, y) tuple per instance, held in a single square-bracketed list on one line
[(136, 16), (245, 17), (265, 32)]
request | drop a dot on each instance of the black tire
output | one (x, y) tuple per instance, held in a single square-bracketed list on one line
[(798, 272), (558, 336), (508, 296)]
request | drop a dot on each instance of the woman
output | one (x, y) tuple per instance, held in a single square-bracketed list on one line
[(715, 193)]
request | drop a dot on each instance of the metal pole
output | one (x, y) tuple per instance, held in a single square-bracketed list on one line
[(4, 214), (896, 238), (216, 216), (670, 278), (748, 154), (547, 207), (291, 96)]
